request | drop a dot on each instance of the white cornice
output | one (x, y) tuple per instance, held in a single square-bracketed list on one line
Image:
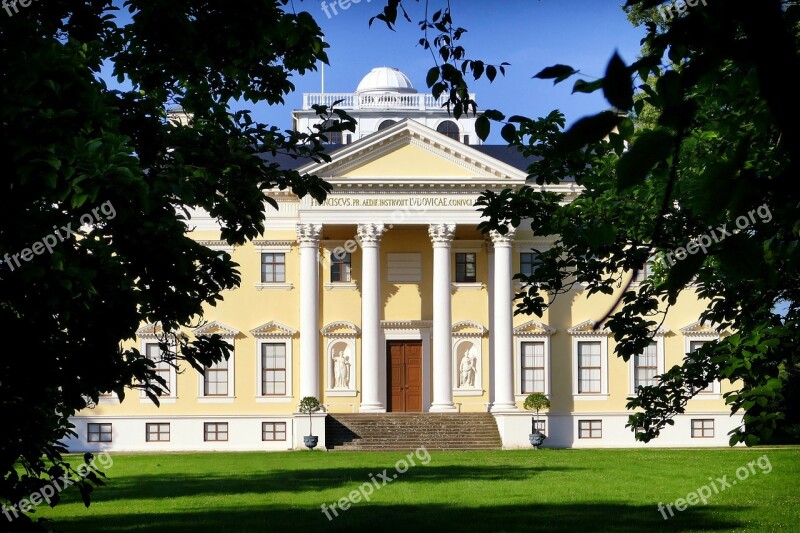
[(468, 328), (533, 328), (341, 329), (217, 328), (273, 329), (587, 329)]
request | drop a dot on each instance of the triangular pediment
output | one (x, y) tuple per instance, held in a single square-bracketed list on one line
[(409, 152), (216, 328), (150, 331), (587, 328), (699, 328), (273, 328), (533, 328)]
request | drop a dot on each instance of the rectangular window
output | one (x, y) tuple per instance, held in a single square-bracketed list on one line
[(157, 432), (642, 274), (340, 268), (163, 369), (273, 369), (646, 366), (273, 431), (528, 262), (589, 367), (539, 425), (466, 271), (693, 347), (273, 268), (532, 367), (215, 431), (590, 429), (98, 433), (702, 428), (215, 381)]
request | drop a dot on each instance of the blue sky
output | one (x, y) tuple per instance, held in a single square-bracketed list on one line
[(529, 34)]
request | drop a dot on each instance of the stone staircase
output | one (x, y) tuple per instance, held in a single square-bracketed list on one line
[(409, 431)]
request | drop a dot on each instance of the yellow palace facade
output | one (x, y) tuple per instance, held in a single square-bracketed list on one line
[(387, 299)]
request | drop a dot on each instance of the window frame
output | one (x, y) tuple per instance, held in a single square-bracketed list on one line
[(172, 393), (453, 134), (159, 433), (523, 368), (100, 432), (658, 339), (287, 342), (465, 256), (274, 431), (207, 433), (274, 265), (712, 391), (579, 335), (703, 428), (342, 260), (590, 429)]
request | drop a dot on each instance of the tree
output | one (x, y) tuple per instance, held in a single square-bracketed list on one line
[(701, 187), (100, 188), (704, 194)]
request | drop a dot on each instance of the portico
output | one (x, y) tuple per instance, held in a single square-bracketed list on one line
[(401, 236)]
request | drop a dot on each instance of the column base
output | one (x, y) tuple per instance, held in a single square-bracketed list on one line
[(503, 407), (443, 408), (372, 408)]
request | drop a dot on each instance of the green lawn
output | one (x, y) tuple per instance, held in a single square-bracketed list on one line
[(559, 490)]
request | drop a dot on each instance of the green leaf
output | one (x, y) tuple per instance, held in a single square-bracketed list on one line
[(482, 127), (649, 148), (618, 84), (558, 73), (588, 130), (432, 77), (582, 86)]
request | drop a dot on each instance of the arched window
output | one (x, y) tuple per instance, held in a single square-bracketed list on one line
[(385, 124), (449, 128), (334, 137)]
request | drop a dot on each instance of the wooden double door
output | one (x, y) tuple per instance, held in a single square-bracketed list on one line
[(404, 368)]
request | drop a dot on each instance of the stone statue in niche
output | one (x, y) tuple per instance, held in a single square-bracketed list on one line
[(468, 367), (341, 367)]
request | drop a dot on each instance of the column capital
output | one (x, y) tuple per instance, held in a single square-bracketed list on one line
[(309, 234), (442, 234), (370, 234), (499, 239)]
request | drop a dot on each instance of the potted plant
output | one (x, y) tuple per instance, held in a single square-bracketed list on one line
[(536, 402), (309, 405)]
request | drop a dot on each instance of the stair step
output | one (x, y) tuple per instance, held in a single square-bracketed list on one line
[(408, 431)]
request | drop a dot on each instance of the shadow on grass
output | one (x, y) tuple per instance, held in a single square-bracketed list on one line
[(310, 480), (373, 517)]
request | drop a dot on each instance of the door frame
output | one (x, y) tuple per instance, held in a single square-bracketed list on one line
[(405, 344), (410, 330)]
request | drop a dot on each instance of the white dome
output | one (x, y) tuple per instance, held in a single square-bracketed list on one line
[(386, 79)]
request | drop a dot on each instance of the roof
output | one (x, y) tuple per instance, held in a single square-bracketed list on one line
[(503, 153)]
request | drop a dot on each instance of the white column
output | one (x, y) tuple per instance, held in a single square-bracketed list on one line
[(503, 325), (490, 297), (308, 237), (442, 238), (369, 235)]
